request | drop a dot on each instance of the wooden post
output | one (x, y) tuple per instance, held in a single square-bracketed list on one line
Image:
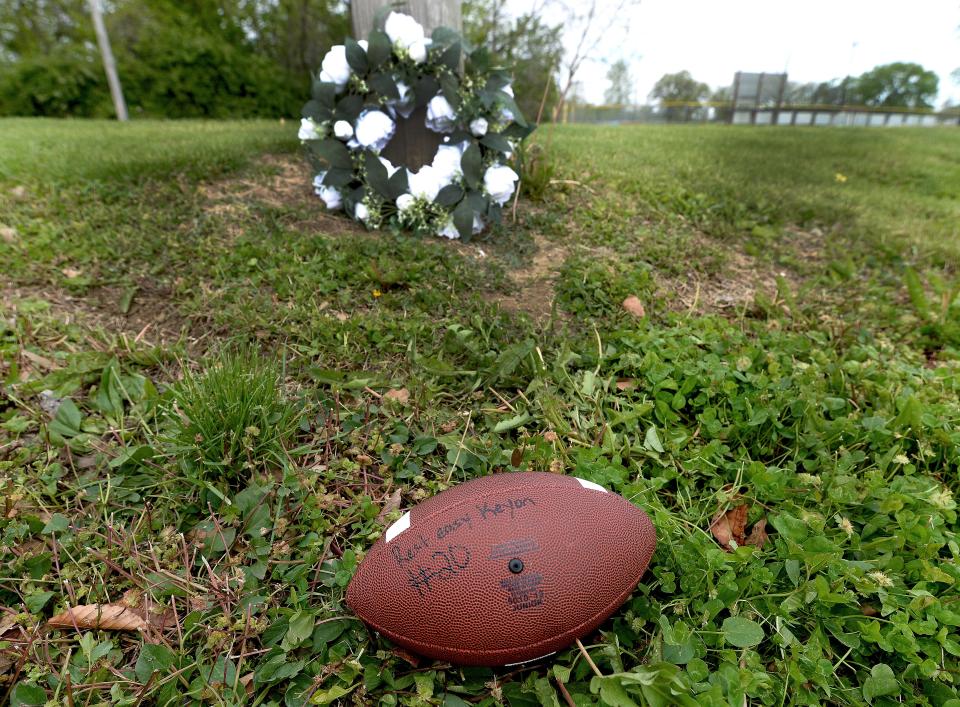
[(109, 65), (413, 145)]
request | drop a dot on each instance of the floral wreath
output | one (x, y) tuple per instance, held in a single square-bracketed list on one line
[(365, 85)]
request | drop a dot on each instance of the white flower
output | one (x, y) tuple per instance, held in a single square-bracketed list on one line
[(478, 127), (403, 30), (361, 212), (447, 161), (331, 195), (449, 230), (403, 105), (343, 130), (498, 181), (308, 130), (418, 52), (374, 129), (426, 183), (405, 201), (440, 114), (335, 67)]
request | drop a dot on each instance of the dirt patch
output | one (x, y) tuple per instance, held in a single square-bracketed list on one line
[(532, 287), (283, 182), (741, 277), (151, 318)]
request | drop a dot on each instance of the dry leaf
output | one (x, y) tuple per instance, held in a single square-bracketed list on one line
[(247, 682), (626, 384), (391, 503), (19, 192), (633, 305), (8, 234), (341, 316), (71, 273), (411, 658), (41, 361), (758, 534), (729, 525), (516, 459), (111, 617), (401, 395)]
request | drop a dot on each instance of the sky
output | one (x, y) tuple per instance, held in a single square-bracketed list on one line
[(812, 40)]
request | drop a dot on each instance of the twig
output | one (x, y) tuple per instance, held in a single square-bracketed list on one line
[(566, 694), (589, 660)]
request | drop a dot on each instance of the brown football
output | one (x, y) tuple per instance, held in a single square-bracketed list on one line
[(503, 569)]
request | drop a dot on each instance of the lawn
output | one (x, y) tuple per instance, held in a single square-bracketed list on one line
[(215, 397)]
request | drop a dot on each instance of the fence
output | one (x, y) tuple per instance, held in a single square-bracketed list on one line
[(787, 114)]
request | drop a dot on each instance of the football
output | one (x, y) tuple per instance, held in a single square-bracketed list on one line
[(503, 569)]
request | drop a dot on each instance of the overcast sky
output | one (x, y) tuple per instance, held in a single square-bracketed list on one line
[(813, 40)]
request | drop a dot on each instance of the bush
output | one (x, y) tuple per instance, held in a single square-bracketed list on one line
[(56, 85)]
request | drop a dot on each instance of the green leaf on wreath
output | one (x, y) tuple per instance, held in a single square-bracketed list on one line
[(472, 164), (315, 110), (380, 16), (338, 177), (348, 108), (443, 36), (480, 59), (515, 131), (331, 151), (497, 142), (449, 195), (495, 213), (497, 82), (512, 106), (463, 219), (399, 184), (377, 176), (477, 201), (356, 57), (451, 57), (424, 89), (324, 93), (384, 85), (450, 88), (378, 49)]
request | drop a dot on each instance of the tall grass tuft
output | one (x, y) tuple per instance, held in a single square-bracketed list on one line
[(232, 419)]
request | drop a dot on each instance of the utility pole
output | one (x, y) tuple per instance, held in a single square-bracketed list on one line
[(109, 65)]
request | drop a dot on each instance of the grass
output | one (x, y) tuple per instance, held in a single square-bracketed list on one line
[(795, 374)]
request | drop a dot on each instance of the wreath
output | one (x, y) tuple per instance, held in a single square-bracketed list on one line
[(361, 91)]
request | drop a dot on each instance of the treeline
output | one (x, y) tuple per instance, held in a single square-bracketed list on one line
[(213, 58)]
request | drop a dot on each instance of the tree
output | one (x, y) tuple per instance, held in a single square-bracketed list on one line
[(901, 84), (679, 88), (621, 84), (526, 42)]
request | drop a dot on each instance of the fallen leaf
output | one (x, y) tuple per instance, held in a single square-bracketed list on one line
[(758, 534), (391, 503), (401, 395), (110, 617), (868, 610), (626, 384), (516, 459), (729, 525), (19, 192), (411, 658), (247, 682), (41, 361), (633, 305), (71, 273), (8, 234)]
